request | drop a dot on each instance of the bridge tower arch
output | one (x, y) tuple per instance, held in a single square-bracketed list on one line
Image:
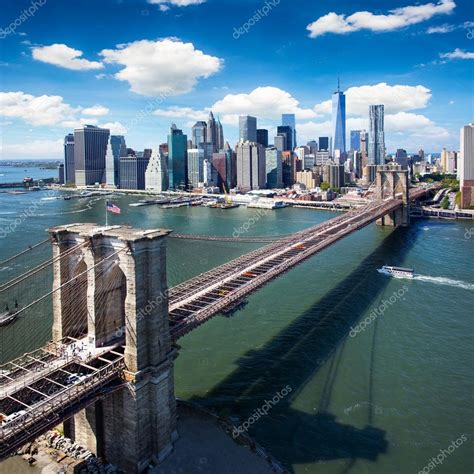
[(126, 298), (392, 182)]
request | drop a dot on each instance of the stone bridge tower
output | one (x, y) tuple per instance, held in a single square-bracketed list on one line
[(393, 182), (120, 295)]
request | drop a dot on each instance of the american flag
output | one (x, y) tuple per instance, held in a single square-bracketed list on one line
[(111, 207)]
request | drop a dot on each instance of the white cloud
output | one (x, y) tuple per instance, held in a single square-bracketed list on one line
[(263, 102), (165, 66), (41, 110), (49, 110), (95, 111), (457, 54), (52, 149), (165, 4), (182, 112), (364, 20), (62, 55), (442, 29), (115, 128), (398, 98), (402, 130)]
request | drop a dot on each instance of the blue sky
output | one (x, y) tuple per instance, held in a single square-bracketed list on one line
[(137, 65)]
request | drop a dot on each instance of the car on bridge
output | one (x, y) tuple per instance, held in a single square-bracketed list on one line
[(13, 418), (74, 379)]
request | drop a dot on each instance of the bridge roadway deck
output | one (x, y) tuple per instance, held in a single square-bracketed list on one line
[(195, 301), (38, 387)]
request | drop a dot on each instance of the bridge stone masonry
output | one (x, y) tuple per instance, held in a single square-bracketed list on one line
[(115, 324), (134, 426), (393, 182)]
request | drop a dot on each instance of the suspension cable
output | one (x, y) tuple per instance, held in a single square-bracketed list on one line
[(31, 247)]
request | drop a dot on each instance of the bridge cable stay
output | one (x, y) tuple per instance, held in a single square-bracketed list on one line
[(23, 252), (75, 315), (72, 304), (76, 324), (40, 267)]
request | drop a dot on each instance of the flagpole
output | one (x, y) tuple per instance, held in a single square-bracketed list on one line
[(106, 215)]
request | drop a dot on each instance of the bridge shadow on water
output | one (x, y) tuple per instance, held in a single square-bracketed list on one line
[(294, 356)]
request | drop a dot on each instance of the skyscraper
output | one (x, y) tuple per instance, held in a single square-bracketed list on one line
[(156, 174), (262, 137), (355, 140), (231, 166), (466, 166), (273, 168), (195, 166), (90, 148), (287, 132), (220, 136), (177, 158), (61, 173), (199, 134), (110, 167), (280, 142), (212, 135), (247, 128), (250, 166), (339, 121), (323, 143), (289, 120), (401, 158), (376, 135), (69, 171), (219, 166), (132, 170), (119, 148)]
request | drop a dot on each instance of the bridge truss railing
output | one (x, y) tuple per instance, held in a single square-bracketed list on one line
[(321, 241), (48, 413)]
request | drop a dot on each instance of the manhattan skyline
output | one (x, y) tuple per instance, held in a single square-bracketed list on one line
[(172, 63)]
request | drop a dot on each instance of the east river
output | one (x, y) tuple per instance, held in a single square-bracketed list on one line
[(384, 396)]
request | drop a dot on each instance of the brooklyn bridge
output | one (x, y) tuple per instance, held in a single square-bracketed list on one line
[(107, 374)]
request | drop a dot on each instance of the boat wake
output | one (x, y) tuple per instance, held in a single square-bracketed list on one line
[(445, 281)]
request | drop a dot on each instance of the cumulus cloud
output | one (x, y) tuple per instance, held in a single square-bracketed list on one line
[(62, 55), (49, 110), (442, 29), (364, 20), (166, 66), (176, 3), (397, 98), (457, 54), (266, 102), (115, 128), (40, 110), (95, 111), (402, 130), (182, 112), (263, 102)]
